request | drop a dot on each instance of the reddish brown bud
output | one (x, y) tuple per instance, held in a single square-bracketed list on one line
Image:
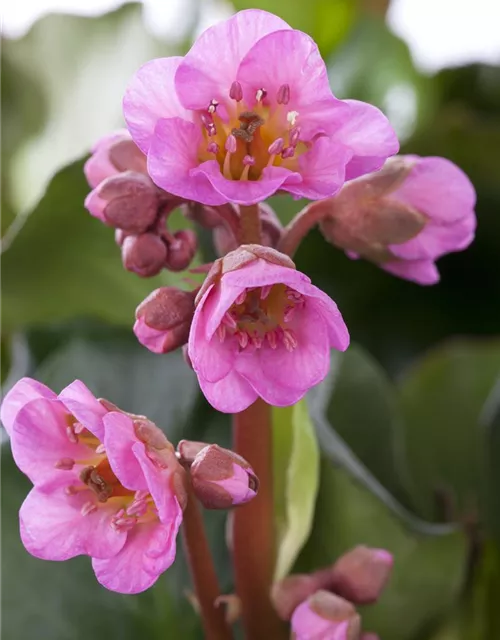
[(126, 156), (287, 594), (203, 215), (181, 250), (144, 254), (328, 616)]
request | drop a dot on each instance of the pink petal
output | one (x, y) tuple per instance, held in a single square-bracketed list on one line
[(99, 167), (159, 483), (119, 439), (322, 170), (338, 334), (211, 359), (439, 189), (151, 96), (152, 339), (85, 407), (53, 528), (243, 191), (211, 65), (232, 394), (261, 272), (420, 271), (173, 158), (96, 205), (308, 625), (370, 137), (149, 551), (21, 393), (39, 440), (308, 363), (216, 304)]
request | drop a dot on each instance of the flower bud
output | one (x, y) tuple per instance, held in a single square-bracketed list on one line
[(144, 254), (101, 166), (163, 319), (222, 479), (287, 594), (120, 236), (361, 574), (203, 215), (181, 250), (325, 615)]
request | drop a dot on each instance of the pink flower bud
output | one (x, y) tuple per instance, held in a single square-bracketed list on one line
[(222, 479), (144, 254), (112, 154), (163, 319), (181, 250), (361, 574), (405, 216), (325, 615), (288, 593)]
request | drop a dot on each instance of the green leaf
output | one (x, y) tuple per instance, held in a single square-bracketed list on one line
[(326, 21), (82, 67), (64, 263), (428, 571), (482, 615), (296, 481), (442, 397), (490, 424), (63, 600)]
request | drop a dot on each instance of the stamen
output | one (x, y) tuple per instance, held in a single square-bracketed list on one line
[(236, 92), (241, 298), (78, 427), (261, 94), (287, 152), (125, 523), (288, 315), (283, 95), (272, 339), (208, 123), (212, 107), (142, 494), (243, 339), (257, 341), (231, 143), (276, 147), (100, 449), (230, 147), (294, 136), (221, 332), (70, 490), (213, 147), (229, 321), (291, 117), (137, 508), (72, 437), (289, 339), (65, 464), (248, 162), (265, 291), (88, 507)]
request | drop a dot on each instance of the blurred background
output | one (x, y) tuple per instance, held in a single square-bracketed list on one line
[(409, 425)]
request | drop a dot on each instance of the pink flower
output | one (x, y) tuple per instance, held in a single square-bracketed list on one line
[(261, 329), (325, 616), (247, 112), (103, 484), (406, 216)]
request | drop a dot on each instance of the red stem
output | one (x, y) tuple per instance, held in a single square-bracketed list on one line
[(304, 221)]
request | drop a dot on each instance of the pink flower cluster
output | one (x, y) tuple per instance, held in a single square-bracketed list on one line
[(106, 484), (249, 111)]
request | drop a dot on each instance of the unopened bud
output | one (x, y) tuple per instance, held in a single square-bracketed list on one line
[(181, 250), (163, 319), (325, 615), (361, 574), (287, 594), (100, 166), (131, 201), (222, 479), (145, 255), (187, 450), (203, 215), (120, 236)]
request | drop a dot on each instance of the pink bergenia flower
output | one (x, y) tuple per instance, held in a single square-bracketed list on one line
[(103, 484), (406, 216), (325, 616), (247, 112), (261, 328)]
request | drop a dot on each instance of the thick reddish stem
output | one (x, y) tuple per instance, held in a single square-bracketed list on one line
[(203, 574), (304, 221), (253, 538), (250, 227)]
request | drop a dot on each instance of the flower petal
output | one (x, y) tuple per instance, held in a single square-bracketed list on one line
[(259, 273), (85, 407), (99, 166), (172, 158), (232, 394), (96, 205), (211, 65), (149, 551), (369, 135), (420, 271), (53, 527), (151, 96), (119, 439), (39, 439), (21, 393)]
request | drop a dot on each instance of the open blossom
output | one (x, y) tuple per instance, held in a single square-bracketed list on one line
[(106, 484), (325, 616), (261, 328), (247, 112), (406, 216)]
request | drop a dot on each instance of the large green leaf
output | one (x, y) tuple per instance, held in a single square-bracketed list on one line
[(428, 571), (81, 66), (442, 397), (64, 263), (490, 423), (296, 481), (327, 21)]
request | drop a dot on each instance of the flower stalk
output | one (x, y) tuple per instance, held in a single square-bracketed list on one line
[(302, 223)]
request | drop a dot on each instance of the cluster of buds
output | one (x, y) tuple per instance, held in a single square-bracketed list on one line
[(324, 602), (123, 196)]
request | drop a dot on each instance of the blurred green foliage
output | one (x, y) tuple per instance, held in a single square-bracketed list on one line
[(409, 427)]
